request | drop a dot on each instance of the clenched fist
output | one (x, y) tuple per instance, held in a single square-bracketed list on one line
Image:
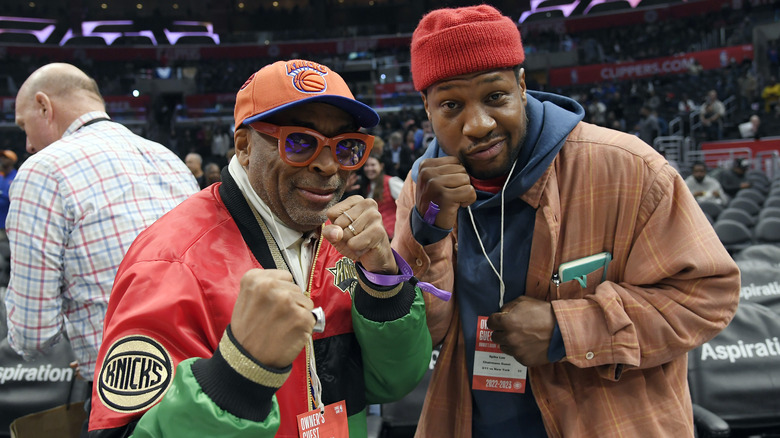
[(523, 329), (272, 319), (445, 182), (357, 232)]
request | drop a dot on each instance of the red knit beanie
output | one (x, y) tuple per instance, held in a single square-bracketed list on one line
[(451, 42)]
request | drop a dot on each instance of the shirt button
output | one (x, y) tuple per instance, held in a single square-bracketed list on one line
[(418, 262), (589, 355)]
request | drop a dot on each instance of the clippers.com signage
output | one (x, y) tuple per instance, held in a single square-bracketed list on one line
[(588, 74)]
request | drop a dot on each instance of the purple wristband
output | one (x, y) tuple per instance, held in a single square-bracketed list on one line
[(431, 213), (406, 274)]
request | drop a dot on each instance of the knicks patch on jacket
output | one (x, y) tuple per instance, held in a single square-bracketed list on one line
[(135, 374)]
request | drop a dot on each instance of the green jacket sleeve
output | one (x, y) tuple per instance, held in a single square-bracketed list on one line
[(227, 395), (390, 325), (186, 411)]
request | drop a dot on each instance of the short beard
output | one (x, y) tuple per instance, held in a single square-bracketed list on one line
[(306, 219), (303, 219), (501, 171)]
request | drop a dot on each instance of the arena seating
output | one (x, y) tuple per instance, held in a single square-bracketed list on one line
[(734, 235), (738, 215), (768, 231), (735, 377), (769, 212), (753, 194), (752, 217), (711, 209), (747, 205), (773, 201)]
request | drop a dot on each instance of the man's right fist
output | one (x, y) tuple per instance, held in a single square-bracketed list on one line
[(272, 318), (445, 182)]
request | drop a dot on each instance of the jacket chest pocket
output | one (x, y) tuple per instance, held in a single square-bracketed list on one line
[(578, 287)]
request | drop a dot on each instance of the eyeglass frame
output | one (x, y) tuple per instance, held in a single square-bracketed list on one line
[(282, 132)]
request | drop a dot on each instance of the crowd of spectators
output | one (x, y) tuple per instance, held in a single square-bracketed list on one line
[(646, 107), (641, 106), (239, 22), (655, 39), (742, 203)]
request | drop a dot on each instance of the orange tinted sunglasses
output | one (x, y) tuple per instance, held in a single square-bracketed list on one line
[(299, 146)]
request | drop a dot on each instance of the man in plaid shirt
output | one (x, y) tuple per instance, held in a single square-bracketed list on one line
[(76, 206)]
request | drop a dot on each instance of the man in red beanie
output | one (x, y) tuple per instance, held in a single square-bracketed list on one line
[(582, 268), (223, 289)]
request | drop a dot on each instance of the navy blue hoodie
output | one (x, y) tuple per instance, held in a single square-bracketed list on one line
[(550, 120)]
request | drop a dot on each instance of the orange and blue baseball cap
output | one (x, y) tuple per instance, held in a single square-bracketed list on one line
[(285, 84)]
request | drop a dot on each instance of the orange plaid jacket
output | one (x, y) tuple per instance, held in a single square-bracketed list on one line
[(670, 287)]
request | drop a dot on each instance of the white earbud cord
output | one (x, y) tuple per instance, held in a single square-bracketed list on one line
[(243, 181), (500, 273), (316, 385)]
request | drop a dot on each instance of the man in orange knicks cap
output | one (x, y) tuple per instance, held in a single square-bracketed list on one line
[(262, 306)]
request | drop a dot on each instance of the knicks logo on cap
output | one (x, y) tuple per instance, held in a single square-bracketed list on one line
[(307, 76)]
